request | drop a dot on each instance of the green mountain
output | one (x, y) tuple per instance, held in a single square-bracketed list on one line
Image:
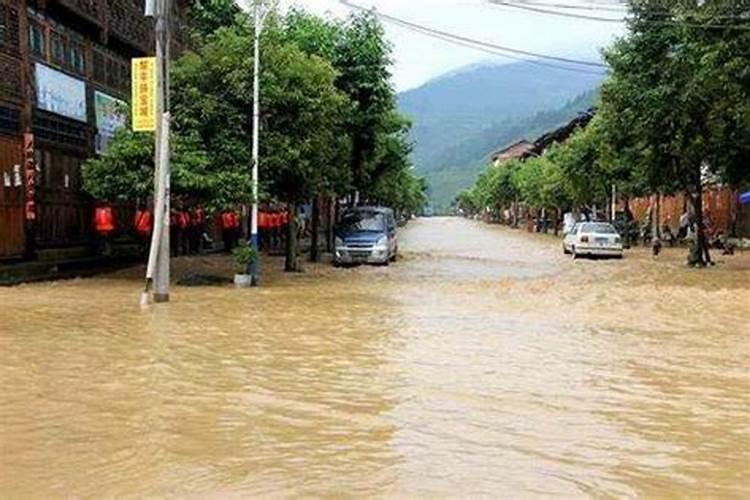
[(461, 118)]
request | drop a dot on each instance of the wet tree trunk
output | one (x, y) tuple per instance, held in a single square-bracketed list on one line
[(655, 225), (699, 254), (291, 265), (315, 230), (655, 220), (331, 219)]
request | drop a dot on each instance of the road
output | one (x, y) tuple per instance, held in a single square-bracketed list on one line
[(484, 362)]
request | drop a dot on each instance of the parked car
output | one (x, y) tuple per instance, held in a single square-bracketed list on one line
[(366, 235), (593, 239)]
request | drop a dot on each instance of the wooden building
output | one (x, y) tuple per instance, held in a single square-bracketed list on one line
[(64, 69)]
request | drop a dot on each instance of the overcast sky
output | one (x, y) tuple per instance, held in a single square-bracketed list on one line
[(419, 58)]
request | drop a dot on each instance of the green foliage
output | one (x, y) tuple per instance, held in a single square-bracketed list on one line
[(674, 110), (677, 99), (328, 125), (207, 16), (243, 255)]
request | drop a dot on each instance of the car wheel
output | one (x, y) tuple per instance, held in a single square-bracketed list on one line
[(565, 250)]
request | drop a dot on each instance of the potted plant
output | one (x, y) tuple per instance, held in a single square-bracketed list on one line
[(243, 255)]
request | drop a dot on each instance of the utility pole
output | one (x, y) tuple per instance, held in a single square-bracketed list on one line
[(158, 264), (259, 17)]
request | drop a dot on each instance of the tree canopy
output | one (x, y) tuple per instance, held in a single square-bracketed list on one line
[(673, 113), (329, 120)]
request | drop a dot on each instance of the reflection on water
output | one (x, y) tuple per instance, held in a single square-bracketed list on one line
[(484, 362)]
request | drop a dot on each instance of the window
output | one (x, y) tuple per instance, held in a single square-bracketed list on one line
[(4, 24), (59, 51), (363, 220), (36, 39), (113, 74), (78, 57), (598, 228), (99, 67)]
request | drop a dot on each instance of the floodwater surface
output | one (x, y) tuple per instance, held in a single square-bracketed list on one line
[(484, 362)]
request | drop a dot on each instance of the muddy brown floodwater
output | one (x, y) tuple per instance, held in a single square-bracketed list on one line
[(482, 363)]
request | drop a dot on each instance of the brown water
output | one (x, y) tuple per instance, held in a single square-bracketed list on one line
[(483, 363)]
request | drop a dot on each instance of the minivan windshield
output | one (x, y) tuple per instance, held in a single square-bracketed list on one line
[(362, 220)]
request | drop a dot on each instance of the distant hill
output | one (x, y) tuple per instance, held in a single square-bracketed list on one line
[(460, 118)]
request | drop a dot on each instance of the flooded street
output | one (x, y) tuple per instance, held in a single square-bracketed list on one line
[(483, 363)]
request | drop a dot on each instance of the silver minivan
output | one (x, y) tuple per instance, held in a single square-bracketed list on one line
[(366, 235)]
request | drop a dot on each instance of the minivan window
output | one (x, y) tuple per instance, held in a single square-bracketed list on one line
[(363, 221)]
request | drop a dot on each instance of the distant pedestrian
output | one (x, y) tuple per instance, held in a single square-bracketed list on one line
[(104, 223), (144, 224), (230, 225), (197, 229)]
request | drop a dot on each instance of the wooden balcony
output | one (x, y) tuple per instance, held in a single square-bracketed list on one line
[(92, 10), (10, 83), (128, 24)]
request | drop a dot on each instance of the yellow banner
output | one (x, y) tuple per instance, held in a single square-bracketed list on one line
[(144, 94)]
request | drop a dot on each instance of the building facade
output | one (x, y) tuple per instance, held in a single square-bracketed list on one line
[(64, 77)]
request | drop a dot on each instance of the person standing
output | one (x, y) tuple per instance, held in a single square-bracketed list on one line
[(104, 223), (263, 228), (197, 228), (144, 223), (275, 222), (229, 228)]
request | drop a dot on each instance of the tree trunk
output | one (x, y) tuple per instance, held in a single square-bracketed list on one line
[(699, 254), (655, 209), (315, 229), (734, 205), (331, 221), (655, 225), (291, 264)]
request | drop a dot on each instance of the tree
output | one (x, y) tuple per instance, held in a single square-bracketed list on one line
[(676, 101), (325, 86), (207, 16), (363, 60)]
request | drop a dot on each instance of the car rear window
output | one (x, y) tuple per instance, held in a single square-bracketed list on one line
[(598, 228)]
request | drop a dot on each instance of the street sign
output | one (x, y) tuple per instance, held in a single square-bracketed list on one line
[(144, 94)]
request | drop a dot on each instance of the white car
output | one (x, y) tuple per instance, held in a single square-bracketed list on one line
[(593, 239)]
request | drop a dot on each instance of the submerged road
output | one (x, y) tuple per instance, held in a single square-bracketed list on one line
[(484, 362)]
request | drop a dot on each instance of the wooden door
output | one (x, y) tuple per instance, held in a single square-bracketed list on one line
[(12, 238)]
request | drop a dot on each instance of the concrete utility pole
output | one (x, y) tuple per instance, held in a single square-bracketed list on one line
[(261, 9), (158, 264)]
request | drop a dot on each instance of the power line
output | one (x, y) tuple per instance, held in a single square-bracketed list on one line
[(591, 7), (528, 7), (466, 40), (501, 54), (539, 10)]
